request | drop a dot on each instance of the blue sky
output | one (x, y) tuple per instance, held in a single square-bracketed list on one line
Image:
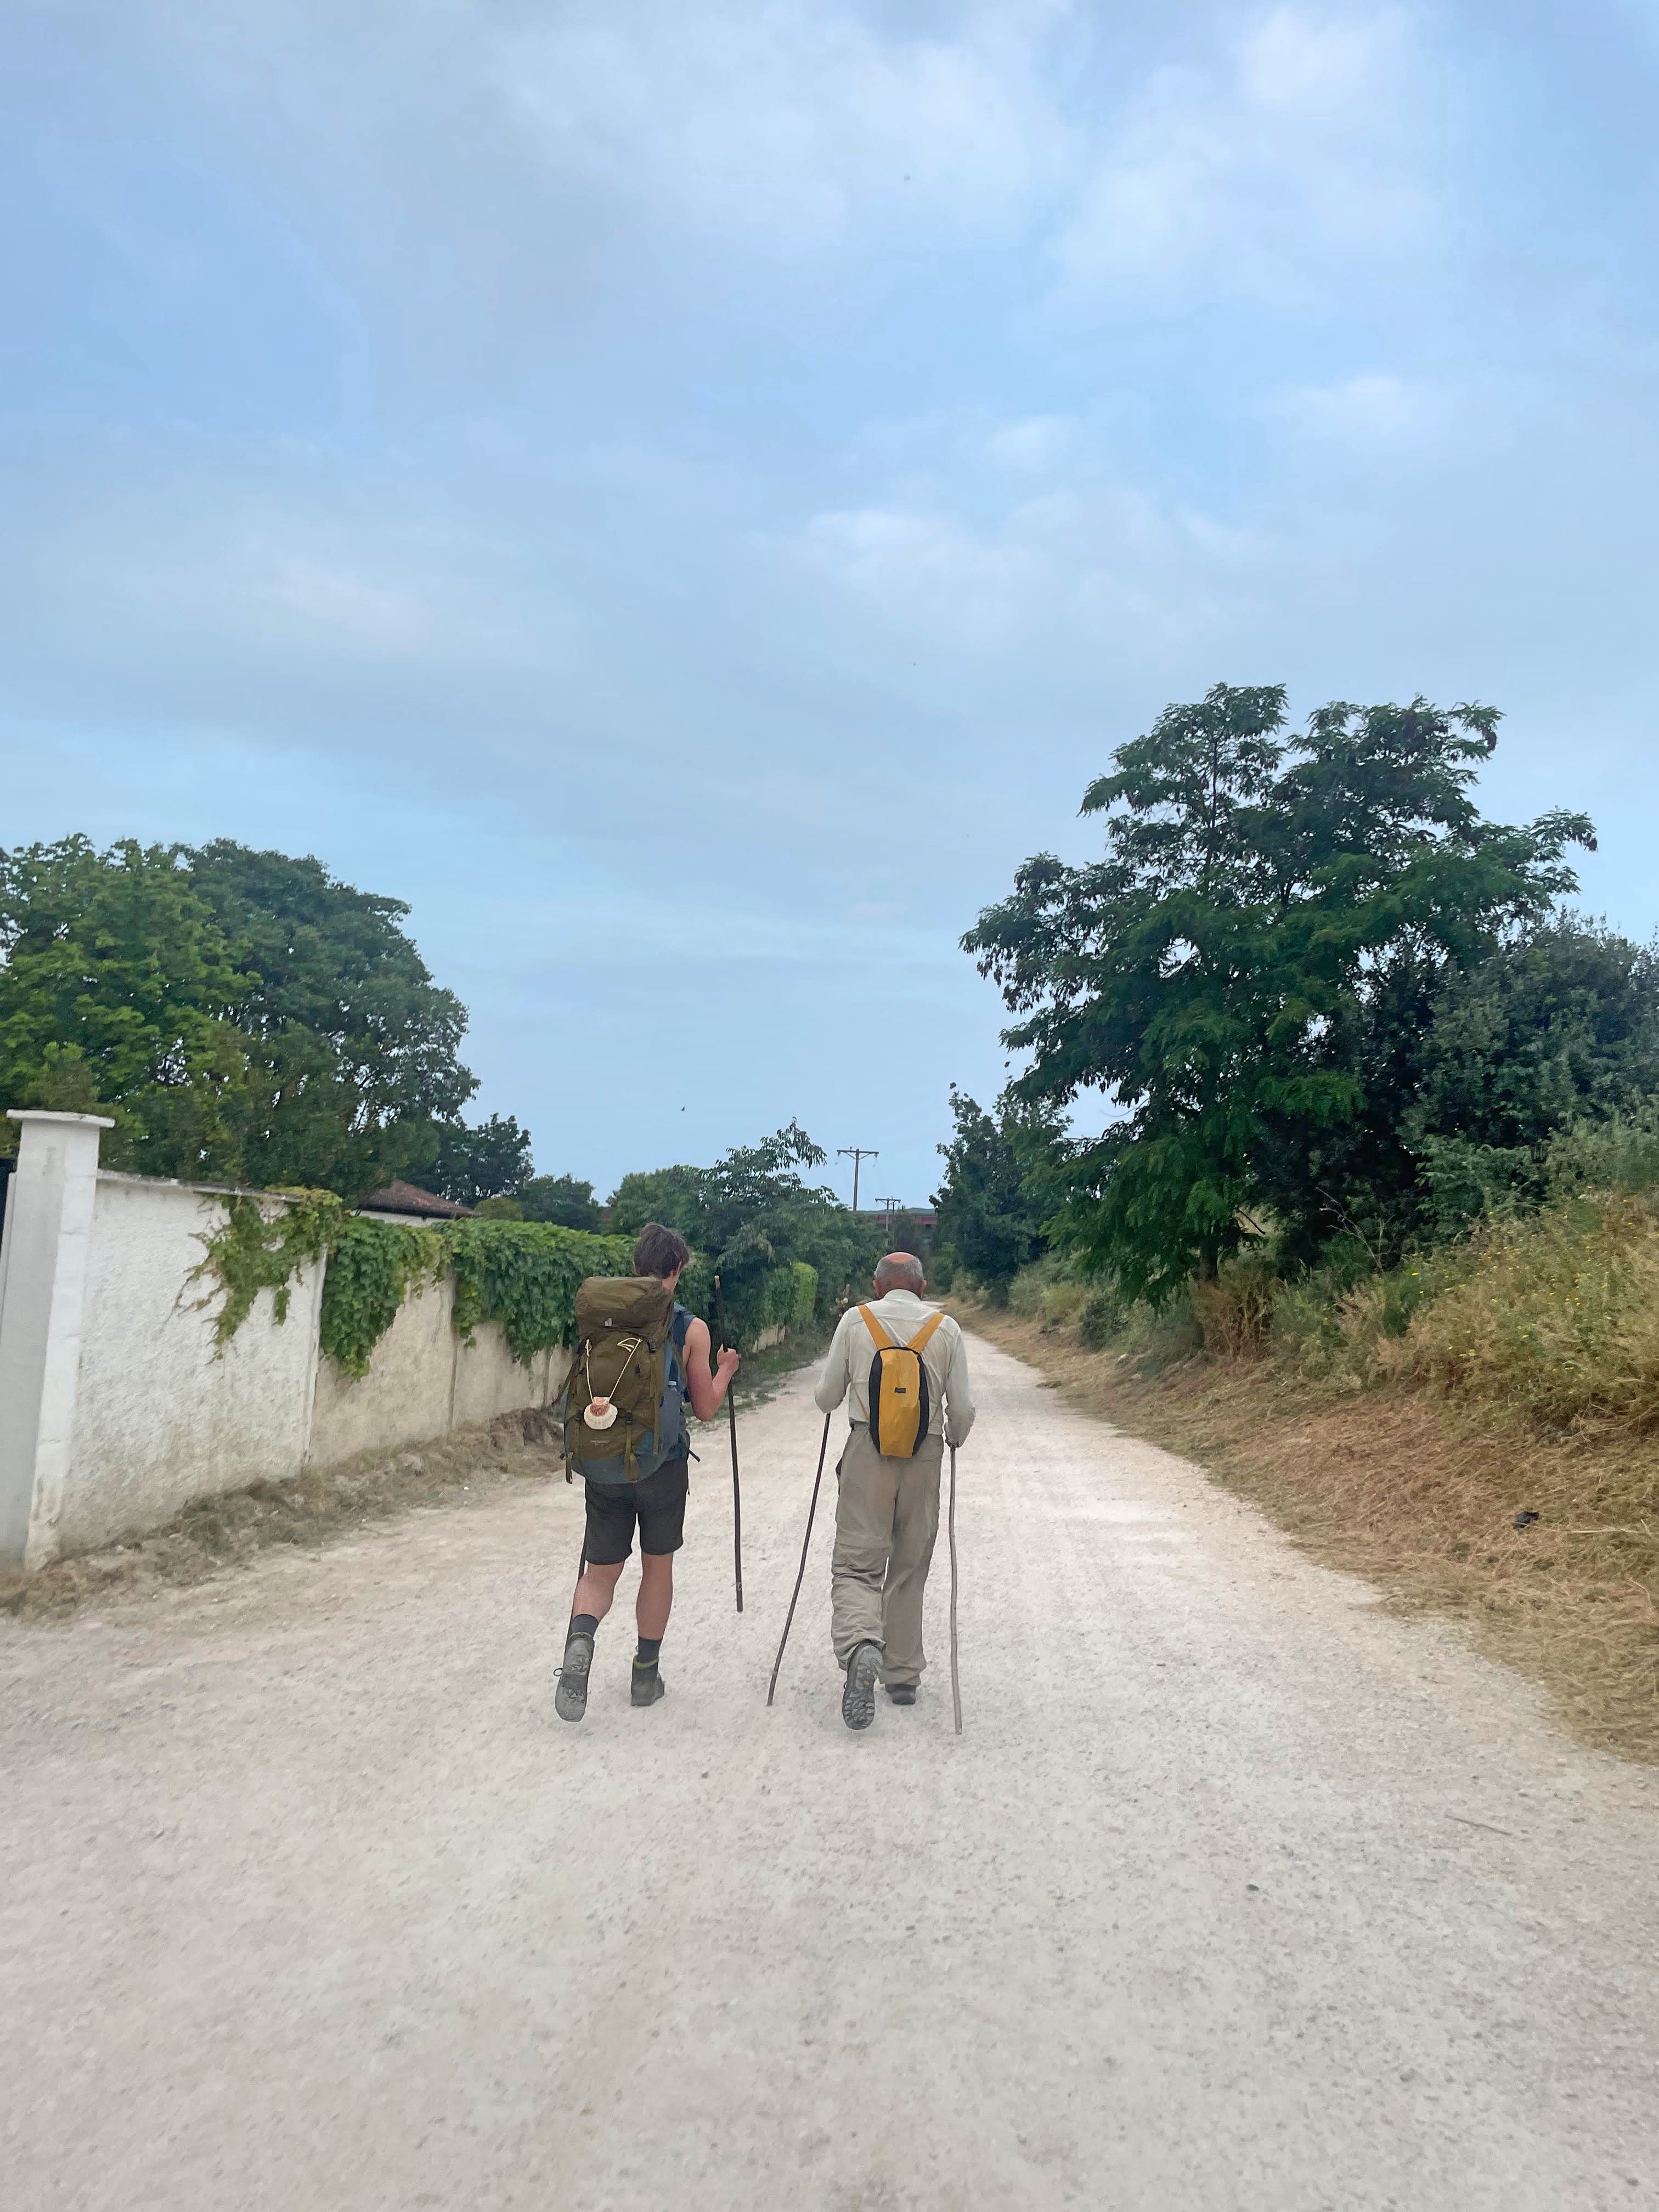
[(687, 497)]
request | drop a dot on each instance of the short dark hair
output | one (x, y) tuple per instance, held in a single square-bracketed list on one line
[(658, 1251)]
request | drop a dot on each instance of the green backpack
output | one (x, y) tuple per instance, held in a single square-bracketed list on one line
[(625, 1398)]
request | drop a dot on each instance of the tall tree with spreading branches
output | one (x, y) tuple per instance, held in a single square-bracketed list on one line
[(1214, 973)]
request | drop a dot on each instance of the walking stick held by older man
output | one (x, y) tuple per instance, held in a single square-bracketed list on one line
[(732, 1412), (806, 1545), (956, 1683)]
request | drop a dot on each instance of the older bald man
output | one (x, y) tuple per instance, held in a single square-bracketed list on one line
[(887, 1510)]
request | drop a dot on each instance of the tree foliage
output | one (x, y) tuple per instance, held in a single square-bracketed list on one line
[(491, 1160), (244, 1016), (352, 1048), (998, 1190), (563, 1198), (750, 1217), (116, 974), (1271, 914)]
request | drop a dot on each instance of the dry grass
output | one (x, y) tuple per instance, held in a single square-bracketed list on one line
[(1419, 1494), (219, 1533)]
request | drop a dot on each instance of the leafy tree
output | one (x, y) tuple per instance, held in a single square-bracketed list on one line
[(1560, 1023), (670, 1195), (489, 1160), (245, 1015), (750, 1216), (998, 1189), (1220, 974), (564, 1199), (354, 1047), (1558, 1028), (115, 972)]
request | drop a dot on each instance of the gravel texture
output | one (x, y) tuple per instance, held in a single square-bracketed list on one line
[(1235, 1893)]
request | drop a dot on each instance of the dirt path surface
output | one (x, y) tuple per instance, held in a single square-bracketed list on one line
[(1236, 1894)]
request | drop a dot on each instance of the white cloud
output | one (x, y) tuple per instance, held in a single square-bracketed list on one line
[(789, 122), (1369, 408), (927, 571), (1078, 565), (1293, 163), (1034, 446)]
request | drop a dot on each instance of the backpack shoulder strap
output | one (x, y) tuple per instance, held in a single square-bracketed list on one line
[(883, 1342), (927, 1329)]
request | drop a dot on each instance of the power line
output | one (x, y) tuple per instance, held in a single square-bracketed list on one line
[(856, 1153)]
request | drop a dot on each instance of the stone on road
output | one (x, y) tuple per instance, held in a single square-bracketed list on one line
[(1235, 1893)]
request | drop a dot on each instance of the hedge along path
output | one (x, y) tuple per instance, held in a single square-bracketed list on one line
[(523, 1276)]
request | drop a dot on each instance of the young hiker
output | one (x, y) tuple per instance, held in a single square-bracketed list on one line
[(656, 1500), (887, 1507)]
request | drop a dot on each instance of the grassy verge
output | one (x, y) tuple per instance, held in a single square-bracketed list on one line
[(1417, 1492)]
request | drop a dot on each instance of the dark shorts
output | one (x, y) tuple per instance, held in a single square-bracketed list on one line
[(658, 1504)]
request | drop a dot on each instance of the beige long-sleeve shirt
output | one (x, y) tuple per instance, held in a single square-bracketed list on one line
[(900, 1313)]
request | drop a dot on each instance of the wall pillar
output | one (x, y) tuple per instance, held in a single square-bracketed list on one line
[(43, 1278)]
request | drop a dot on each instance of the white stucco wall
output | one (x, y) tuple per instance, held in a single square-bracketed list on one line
[(121, 1409), (423, 1381), (489, 1381), (158, 1419), (405, 1397)]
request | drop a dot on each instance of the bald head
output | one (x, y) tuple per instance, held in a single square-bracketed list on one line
[(900, 1271)]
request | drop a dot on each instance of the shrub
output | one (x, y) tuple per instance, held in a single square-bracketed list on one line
[(1062, 1302), (1235, 1311), (1620, 1154), (1557, 1317), (1103, 1316), (805, 1298)]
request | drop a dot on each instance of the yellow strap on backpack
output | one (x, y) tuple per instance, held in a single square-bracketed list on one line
[(897, 1394)]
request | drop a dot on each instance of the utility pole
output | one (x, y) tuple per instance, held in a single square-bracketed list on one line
[(892, 1205), (855, 1154)]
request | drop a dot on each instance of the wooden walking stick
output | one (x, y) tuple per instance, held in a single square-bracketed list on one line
[(737, 1495), (806, 1542), (956, 1685)]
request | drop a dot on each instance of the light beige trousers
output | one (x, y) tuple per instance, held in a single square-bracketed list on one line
[(886, 1519)]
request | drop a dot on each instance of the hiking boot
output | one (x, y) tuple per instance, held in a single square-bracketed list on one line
[(571, 1699), (648, 1686), (902, 1693), (858, 1698)]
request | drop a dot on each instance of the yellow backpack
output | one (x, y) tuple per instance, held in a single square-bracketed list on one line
[(898, 1389)]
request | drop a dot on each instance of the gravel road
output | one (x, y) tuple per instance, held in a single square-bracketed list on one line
[(1236, 1894)]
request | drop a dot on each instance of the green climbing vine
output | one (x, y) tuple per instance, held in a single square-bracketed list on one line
[(525, 1274), (248, 1253), (373, 1266), (522, 1274)]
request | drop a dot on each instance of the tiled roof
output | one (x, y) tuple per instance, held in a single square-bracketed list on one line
[(405, 1198)]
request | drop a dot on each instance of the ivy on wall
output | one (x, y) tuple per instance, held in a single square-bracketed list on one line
[(373, 1266), (522, 1274), (249, 1252), (525, 1274)]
